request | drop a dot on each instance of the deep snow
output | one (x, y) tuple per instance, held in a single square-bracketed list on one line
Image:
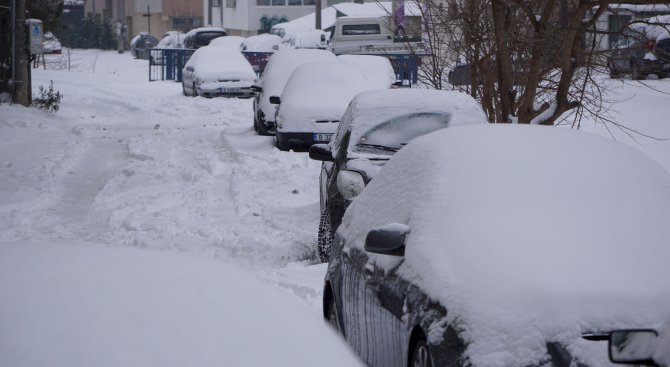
[(129, 163)]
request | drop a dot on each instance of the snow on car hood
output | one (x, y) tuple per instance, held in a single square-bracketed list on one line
[(527, 235)]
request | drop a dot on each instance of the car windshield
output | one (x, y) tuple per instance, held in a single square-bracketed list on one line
[(393, 134)]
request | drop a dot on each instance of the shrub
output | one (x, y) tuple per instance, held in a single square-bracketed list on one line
[(48, 99)]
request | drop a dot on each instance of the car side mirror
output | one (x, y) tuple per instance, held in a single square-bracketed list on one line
[(633, 346), (387, 240), (275, 100), (350, 184), (190, 68), (321, 152), (256, 88)]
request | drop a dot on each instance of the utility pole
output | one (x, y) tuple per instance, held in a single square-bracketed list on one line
[(148, 16), (21, 89), (94, 10)]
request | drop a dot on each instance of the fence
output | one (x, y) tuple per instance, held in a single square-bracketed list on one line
[(167, 64)]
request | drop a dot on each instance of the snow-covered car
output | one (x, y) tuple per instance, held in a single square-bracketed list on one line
[(231, 42), (218, 72), (271, 83), (50, 44), (643, 49), (314, 38), (171, 39), (313, 101), (502, 245), (261, 43), (377, 69), (199, 37), (375, 126)]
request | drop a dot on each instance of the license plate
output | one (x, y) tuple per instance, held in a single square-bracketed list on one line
[(230, 90), (322, 137)]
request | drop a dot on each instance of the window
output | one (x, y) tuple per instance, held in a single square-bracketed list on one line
[(186, 23), (262, 2), (231, 3), (360, 29), (216, 3), (616, 25), (278, 2), (295, 2)]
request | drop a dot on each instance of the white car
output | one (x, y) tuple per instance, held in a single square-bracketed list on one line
[(271, 83), (50, 43), (261, 43), (313, 101), (218, 72)]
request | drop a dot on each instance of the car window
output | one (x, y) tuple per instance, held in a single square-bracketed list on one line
[(393, 134), (203, 38)]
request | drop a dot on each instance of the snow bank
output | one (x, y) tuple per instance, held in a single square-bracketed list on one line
[(90, 305), (527, 235)]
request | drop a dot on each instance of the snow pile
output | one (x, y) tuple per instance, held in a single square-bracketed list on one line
[(91, 305), (527, 235)]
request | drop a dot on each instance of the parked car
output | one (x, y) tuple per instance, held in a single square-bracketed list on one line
[(50, 44), (171, 39), (231, 42), (218, 72), (200, 37), (271, 83), (141, 45), (314, 38), (640, 59), (377, 69), (262, 43), (494, 245), (313, 101), (643, 49), (375, 126)]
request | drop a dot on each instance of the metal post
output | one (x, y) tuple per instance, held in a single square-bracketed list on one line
[(21, 79), (317, 14)]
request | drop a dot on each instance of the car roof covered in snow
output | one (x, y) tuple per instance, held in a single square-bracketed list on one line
[(231, 42), (261, 42), (527, 235), (377, 69), (212, 62)]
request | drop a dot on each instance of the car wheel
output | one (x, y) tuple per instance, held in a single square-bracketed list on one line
[(420, 356), (636, 72), (334, 316), (325, 238)]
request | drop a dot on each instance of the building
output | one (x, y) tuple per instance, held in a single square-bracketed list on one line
[(153, 16), (618, 16)]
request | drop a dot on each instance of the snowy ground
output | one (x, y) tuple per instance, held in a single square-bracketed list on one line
[(127, 163)]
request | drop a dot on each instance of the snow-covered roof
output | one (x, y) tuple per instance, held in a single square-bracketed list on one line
[(231, 42), (373, 107), (204, 29), (320, 90), (261, 43), (527, 235)]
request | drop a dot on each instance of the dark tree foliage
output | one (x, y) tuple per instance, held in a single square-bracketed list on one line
[(48, 11), (88, 34)]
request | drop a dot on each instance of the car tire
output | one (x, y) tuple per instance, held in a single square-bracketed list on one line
[(325, 237), (420, 356), (333, 316)]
